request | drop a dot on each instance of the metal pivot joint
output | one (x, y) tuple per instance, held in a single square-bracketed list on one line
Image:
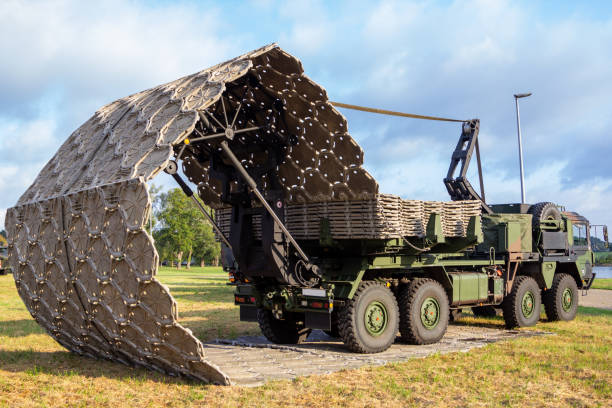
[(172, 170)]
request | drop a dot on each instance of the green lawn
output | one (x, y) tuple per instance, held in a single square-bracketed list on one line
[(602, 284), (570, 368), (205, 302)]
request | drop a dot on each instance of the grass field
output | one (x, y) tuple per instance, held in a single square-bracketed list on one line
[(571, 368), (602, 284)]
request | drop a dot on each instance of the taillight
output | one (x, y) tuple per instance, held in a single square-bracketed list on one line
[(247, 300)]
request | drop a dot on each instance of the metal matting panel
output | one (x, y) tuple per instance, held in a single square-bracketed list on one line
[(137, 135), (383, 217), (85, 268)]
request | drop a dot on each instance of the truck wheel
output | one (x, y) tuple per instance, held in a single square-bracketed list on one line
[(522, 306), (544, 211), (561, 300), (369, 322), (484, 311), (286, 331), (424, 311)]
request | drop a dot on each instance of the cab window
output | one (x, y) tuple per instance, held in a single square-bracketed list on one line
[(580, 235)]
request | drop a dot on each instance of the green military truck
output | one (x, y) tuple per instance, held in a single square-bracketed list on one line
[(513, 257)]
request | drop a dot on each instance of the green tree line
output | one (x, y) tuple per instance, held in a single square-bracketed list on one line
[(181, 232), (603, 258)]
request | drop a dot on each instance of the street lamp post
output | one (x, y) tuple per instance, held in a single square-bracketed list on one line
[(520, 142)]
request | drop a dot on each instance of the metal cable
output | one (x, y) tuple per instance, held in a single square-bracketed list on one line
[(392, 113)]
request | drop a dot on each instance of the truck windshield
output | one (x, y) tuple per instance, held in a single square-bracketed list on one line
[(580, 234)]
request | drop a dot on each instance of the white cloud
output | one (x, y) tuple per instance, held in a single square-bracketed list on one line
[(308, 26), (63, 59), (105, 47)]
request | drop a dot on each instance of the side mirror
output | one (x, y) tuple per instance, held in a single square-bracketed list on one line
[(605, 236)]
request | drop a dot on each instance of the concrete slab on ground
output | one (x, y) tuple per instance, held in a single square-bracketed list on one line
[(252, 360)]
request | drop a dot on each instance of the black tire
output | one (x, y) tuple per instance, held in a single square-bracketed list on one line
[(561, 300), (544, 211), (412, 299), (522, 306), (484, 311), (376, 331), (290, 330)]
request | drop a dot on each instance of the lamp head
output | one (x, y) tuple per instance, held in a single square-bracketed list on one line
[(522, 95)]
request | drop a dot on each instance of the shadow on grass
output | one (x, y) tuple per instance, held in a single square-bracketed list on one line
[(208, 281), (186, 287), (202, 294), (67, 364), (207, 313), (496, 322), (20, 328), (594, 311)]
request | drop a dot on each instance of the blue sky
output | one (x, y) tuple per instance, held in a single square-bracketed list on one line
[(62, 60)]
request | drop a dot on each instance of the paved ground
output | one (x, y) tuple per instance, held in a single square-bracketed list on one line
[(251, 360), (600, 298)]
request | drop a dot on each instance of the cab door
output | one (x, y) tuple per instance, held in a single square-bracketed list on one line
[(581, 249)]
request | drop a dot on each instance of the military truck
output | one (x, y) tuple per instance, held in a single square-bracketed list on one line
[(514, 257), (307, 237)]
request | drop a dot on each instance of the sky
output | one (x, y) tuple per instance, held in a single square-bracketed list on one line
[(62, 60)]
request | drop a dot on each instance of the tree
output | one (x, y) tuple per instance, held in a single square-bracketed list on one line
[(206, 248), (3, 241), (182, 230)]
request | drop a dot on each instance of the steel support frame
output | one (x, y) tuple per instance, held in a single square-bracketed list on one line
[(253, 185), (459, 188)]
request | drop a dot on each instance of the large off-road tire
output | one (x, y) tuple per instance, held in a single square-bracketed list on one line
[(287, 331), (544, 211), (484, 311), (561, 300), (522, 306), (424, 311), (369, 322)]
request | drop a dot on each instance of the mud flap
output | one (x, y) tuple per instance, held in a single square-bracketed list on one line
[(248, 313), (318, 320)]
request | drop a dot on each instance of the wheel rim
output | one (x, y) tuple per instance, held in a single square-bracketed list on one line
[(528, 304), (376, 318), (567, 299), (430, 313)]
